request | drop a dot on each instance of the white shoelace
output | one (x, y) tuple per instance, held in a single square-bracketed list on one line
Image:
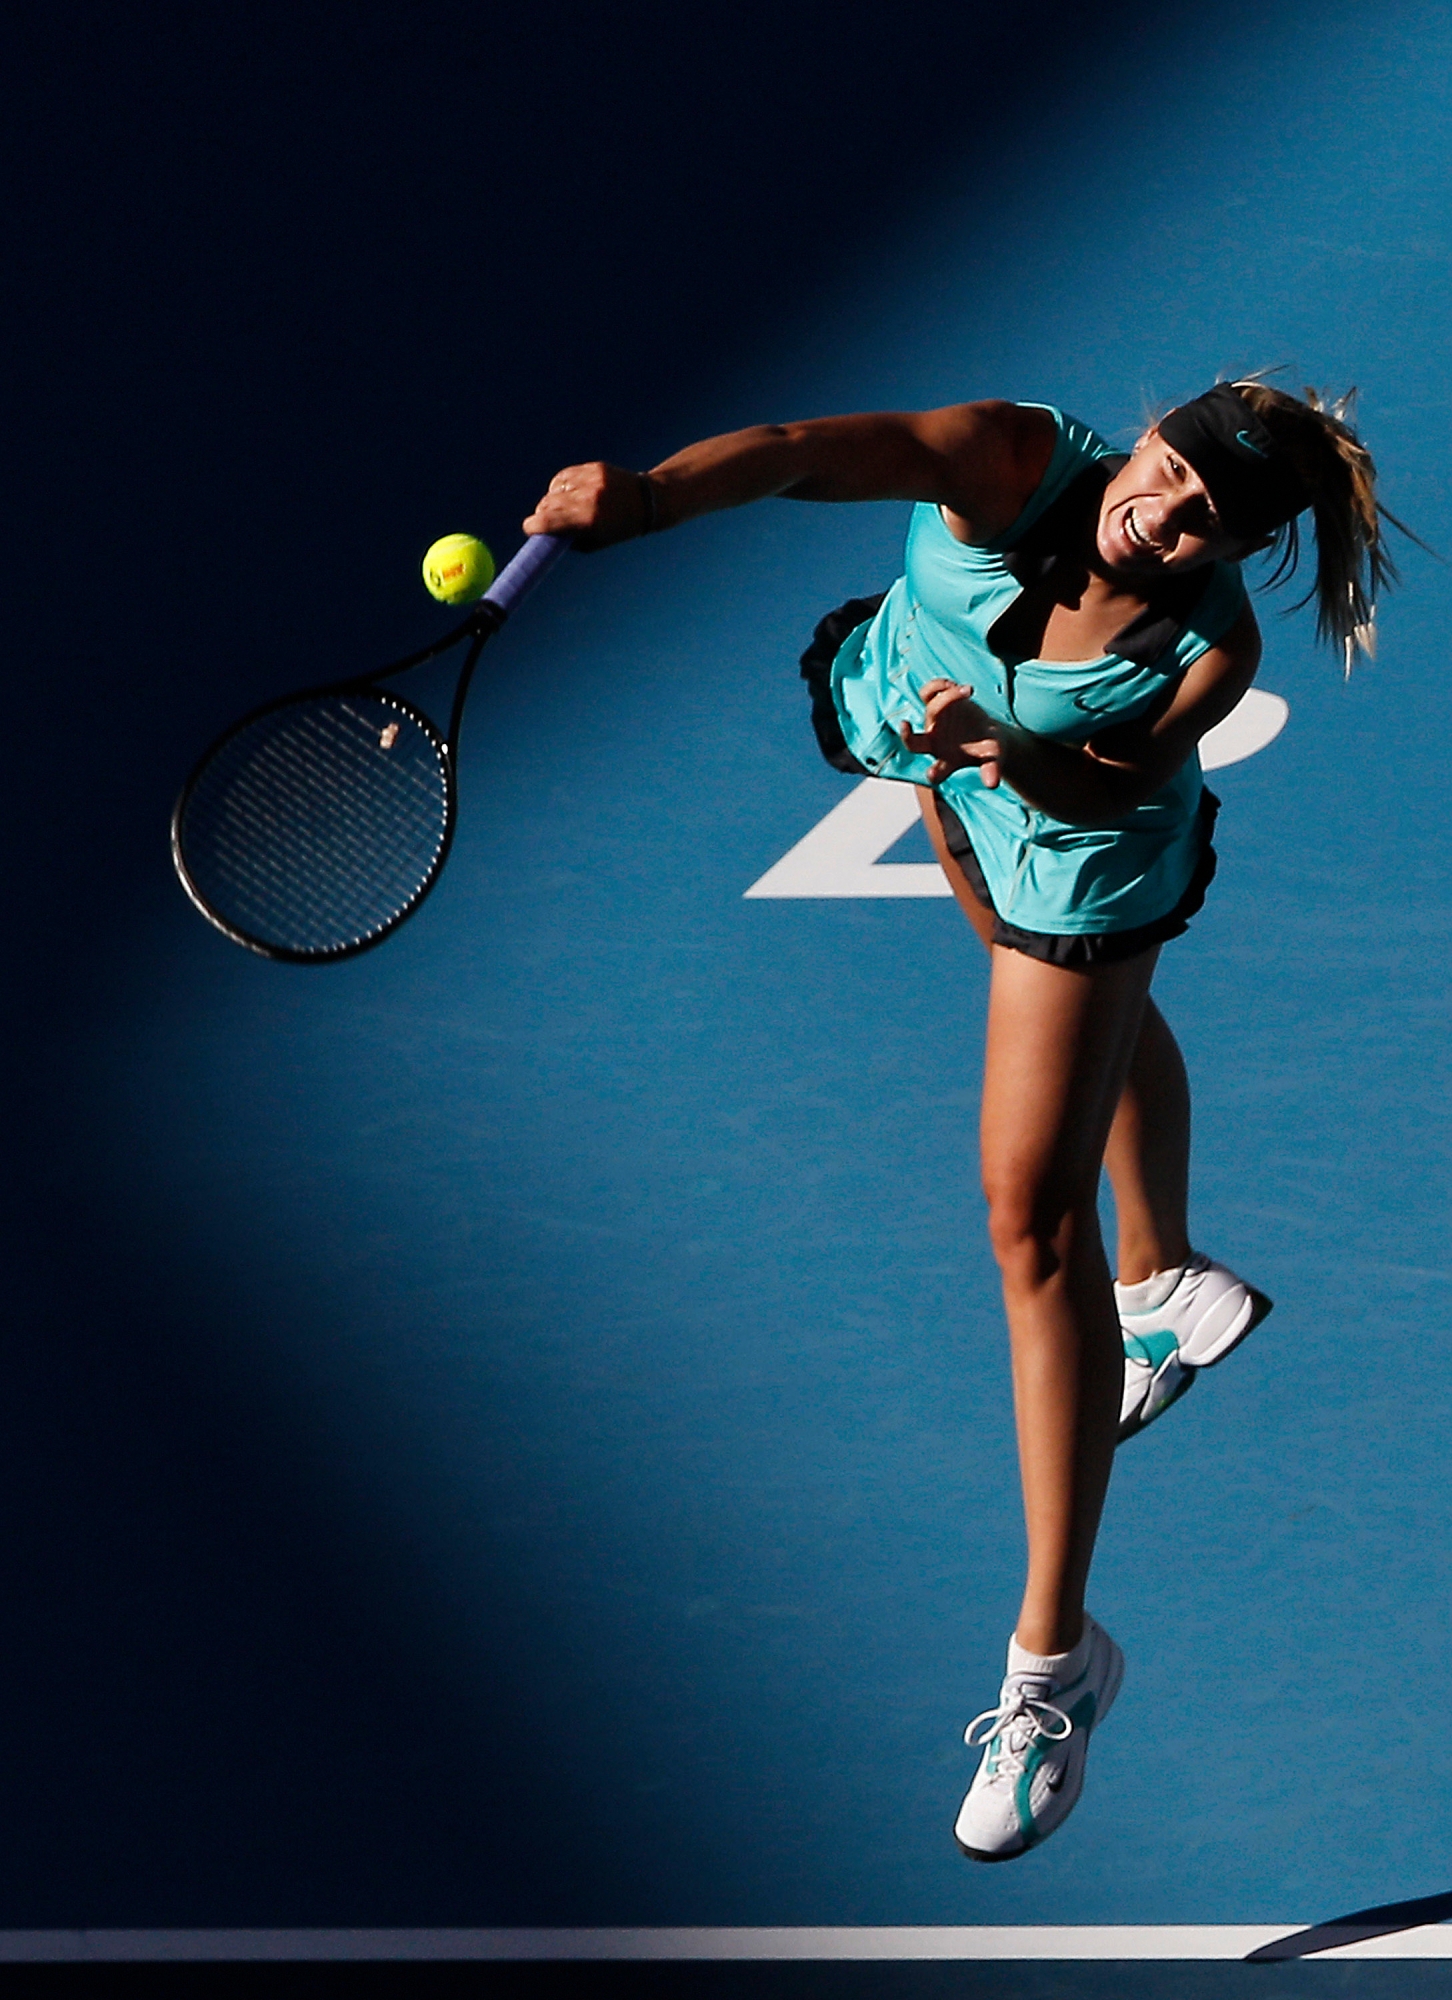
[(1020, 1719)]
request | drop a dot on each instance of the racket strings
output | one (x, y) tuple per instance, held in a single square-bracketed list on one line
[(305, 885), (318, 825), (315, 793), (284, 773)]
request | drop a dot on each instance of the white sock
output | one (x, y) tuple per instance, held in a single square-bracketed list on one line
[(1149, 1292), (1057, 1667)]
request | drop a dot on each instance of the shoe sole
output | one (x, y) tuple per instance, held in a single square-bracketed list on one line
[(1185, 1385), (1111, 1690), (976, 1854), (1260, 1305)]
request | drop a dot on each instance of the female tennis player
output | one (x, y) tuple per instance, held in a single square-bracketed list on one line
[(1070, 624)]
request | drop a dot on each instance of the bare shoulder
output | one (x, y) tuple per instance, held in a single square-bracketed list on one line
[(994, 455)]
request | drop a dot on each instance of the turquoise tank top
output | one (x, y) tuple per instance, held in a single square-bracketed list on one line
[(1043, 874)]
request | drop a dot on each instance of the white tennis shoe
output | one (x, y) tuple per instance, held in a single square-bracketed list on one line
[(1196, 1316), (1035, 1743)]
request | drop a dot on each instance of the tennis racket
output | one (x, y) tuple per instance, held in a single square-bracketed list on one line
[(319, 822)]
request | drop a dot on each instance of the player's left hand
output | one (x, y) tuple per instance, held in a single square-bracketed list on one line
[(956, 734)]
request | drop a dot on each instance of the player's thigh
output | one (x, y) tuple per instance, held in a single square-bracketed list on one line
[(976, 911), (1059, 1046)]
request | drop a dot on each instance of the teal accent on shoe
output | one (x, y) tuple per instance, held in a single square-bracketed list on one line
[(1154, 1349), (1031, 1763), (1082, 1714), (1082, 1717)]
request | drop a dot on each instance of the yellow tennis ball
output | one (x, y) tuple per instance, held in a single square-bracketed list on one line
[(457, 569)]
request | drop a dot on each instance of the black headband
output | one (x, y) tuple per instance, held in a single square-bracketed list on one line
[(1252, 482)]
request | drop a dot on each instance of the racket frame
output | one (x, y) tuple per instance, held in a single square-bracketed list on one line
[(483, 623), (539, 554)]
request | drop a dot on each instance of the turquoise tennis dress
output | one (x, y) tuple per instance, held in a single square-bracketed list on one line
[(936, 623)]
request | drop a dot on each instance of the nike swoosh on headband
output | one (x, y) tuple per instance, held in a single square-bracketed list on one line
[(1252, 482)]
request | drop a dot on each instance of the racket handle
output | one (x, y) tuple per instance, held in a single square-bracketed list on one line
[(519, 576)]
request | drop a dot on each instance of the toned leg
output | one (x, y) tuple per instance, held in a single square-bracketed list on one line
[(1148, 1155), (1148, 1152), (1060, 1045), (978, 914)]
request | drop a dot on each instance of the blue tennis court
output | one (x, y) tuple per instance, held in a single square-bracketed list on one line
[(512, 1434)]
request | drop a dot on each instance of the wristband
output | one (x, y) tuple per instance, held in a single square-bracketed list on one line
[(650, 500)]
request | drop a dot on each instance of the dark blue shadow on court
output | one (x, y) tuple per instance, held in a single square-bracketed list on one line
[(1386, 1920)]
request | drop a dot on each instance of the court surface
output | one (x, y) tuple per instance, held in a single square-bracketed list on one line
[(512, 1433)]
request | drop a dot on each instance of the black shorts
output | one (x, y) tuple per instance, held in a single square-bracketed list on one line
[(1054, 948)]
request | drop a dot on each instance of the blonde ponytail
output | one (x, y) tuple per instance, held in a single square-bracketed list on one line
[(1352, 563)]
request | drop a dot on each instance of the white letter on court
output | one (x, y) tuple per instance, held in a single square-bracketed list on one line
[(841, 856)]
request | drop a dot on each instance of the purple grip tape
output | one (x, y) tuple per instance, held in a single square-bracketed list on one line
[(519, 576)]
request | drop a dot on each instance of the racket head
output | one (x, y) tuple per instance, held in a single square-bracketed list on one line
[(316, 825)]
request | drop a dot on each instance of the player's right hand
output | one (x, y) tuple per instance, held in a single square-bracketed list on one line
[(598, 504)]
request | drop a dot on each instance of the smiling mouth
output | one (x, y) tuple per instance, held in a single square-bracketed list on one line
[(1137, 537)]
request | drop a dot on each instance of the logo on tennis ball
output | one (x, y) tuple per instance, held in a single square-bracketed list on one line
[(457, 569)]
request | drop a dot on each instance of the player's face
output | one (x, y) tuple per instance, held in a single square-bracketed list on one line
[(1158, 519)]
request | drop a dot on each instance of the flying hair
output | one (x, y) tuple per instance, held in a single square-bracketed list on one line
[(1353, 566)]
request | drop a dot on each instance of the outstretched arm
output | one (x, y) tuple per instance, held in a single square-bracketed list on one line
[(1114, 771), (979, 461)]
